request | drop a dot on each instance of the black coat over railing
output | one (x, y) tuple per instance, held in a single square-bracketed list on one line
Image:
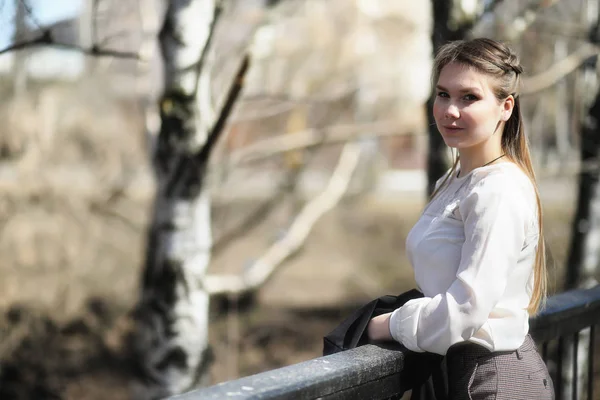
[(375, 372)]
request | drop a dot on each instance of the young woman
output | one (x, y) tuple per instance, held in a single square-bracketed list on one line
[(477, 250)]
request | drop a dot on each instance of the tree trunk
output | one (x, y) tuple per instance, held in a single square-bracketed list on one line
[(447, 28), (584, 250), (437, 157), (561, 111), (170, 338)]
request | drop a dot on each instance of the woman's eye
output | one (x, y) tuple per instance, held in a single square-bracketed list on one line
[(442, 94), (470, 97)]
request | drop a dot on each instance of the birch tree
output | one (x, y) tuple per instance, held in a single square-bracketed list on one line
[(170, 337), (169, 340)]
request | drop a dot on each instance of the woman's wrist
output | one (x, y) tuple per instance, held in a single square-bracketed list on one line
[(379, 327)]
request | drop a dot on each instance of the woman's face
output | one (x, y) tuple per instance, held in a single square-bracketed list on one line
[(465, 109)]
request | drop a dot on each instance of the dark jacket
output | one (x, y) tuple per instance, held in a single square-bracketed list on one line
[(419, 368)]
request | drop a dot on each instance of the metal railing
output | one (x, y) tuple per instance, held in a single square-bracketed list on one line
[(559, 325), (376, 372)]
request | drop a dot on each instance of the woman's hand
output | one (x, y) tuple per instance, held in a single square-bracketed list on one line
[(379, 328)]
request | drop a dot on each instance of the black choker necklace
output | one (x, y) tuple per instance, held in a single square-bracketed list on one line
[(488, 163)]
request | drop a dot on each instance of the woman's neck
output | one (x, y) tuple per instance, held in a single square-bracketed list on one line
[(475, 158)]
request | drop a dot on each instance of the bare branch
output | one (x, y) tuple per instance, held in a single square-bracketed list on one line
[(520, 24), (217, 129), (271, 147), (556, 72), (241, 116), (489, 8), (27, 7), (46, 39), (266, 265), (95, 8), (250, 221)]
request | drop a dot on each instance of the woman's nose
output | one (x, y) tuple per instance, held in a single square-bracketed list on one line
[(452, 112)]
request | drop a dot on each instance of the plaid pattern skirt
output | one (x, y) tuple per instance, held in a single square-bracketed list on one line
[(475, 373)]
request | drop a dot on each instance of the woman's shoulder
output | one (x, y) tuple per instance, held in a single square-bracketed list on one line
[(500, 176), (506, 179)]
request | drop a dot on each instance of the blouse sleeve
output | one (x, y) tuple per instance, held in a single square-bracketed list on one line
[(495, 215)]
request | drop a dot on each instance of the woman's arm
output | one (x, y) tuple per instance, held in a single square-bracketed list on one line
[(495, 216), (379, 327)]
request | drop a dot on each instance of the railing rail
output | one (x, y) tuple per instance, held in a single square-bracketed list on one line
[(566, 313), (375, 372), (336, 376), (561, 323)]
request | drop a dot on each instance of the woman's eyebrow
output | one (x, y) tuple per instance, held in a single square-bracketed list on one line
[(463, 90)]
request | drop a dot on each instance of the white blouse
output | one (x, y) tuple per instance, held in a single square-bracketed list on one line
[(472, 251)]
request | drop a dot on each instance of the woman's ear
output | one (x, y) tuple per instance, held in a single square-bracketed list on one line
[(508, 105)]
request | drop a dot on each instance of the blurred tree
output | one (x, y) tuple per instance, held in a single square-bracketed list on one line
[(584, 250), (170, 338), (453, 20), (583, 260), (437, 159)]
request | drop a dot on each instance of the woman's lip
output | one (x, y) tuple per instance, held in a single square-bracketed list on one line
[(452, 128)]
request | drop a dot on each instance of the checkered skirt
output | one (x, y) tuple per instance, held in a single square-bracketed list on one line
[(475, 373)]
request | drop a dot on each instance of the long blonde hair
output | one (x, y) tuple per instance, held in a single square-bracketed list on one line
[(499, 61)]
